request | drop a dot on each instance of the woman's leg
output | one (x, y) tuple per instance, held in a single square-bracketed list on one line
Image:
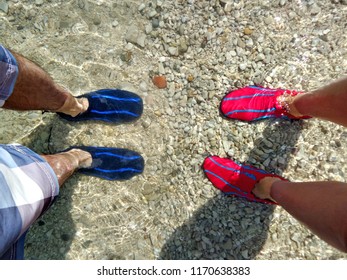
[(321, 206), (327, 103)]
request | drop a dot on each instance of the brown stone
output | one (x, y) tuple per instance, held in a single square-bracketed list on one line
[(190, 78), (247, 31), (159, 81)]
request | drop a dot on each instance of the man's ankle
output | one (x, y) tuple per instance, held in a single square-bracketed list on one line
[(74, 106)]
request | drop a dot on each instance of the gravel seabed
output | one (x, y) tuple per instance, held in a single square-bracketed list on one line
[(203, 48)]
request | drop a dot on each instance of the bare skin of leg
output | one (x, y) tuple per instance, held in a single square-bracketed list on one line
[(321, 206), (66, 163), (326, 103), (36, 90)]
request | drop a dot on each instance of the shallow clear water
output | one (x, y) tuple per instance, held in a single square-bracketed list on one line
[(171, 210)]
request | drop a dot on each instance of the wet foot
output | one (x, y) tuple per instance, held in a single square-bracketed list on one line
[(82, 158), (66, 163), (74, 106)]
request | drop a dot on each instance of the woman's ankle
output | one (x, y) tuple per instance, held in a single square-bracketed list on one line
[(289, 103)]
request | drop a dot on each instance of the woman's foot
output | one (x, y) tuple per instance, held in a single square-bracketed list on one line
[(287, 101), (239, 180), (255, 103), (262, 189)]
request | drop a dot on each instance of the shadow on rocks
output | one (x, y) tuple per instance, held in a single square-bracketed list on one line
[(230, 227), (51, 235)]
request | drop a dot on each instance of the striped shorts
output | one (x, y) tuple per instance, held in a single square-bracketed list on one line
[(28, 187), (8, 74)]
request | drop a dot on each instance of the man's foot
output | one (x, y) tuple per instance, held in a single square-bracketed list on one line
[(74, 106), (108, 105), (238, 179), (66, 163), (112, 163), (254, 103), (104, 162)]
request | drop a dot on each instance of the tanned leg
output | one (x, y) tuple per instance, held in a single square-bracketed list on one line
[(321, 206), (36, 90), (327, 103)]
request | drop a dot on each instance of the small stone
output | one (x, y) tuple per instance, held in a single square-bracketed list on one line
[(211, 94), (4, 7), (141, 40), (160, 81), (115, 23), (173, 51), (190, 78), (33, 115), (148, 28), (155, 23), (183, 47), (135, 36), (333, 157), (249, 43), (268, 20), (146, 122), (126, 56), (38, 2), (64, 24), (49, 233), (97, 21), (197, 254), (292, 14), (143, 86), (240, 43), (338, 143), (282, 161), (152, 14), (228, 245), (228, 7), (244, 254), (161, 68), (315, 10), (247, 31), (148, 188), (268, 79), (65, 237), (283, 2), (142, 7), (182, 29), (243, 66), (132, 34)]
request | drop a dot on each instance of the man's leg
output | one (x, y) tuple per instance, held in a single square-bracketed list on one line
[(36, 90)]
